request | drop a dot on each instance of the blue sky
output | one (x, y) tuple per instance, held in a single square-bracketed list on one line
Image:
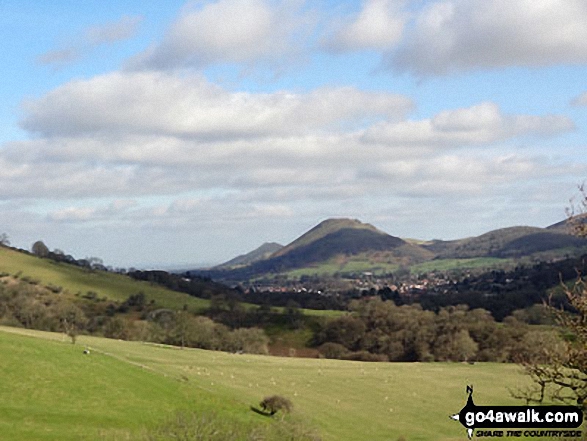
[(171, 133)]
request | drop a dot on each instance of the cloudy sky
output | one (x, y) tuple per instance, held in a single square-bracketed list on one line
[(148, 132)]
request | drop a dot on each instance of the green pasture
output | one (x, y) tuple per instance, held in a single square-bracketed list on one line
[(352, 266), (457, 264), (51, 391), (111, 286), (78, 280), (358, 266)]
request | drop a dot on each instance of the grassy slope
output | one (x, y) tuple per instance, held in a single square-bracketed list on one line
[(112, 286), (51, 391), (73, 279), (484, 263), (359, 264), (323, 229), (55, 392)]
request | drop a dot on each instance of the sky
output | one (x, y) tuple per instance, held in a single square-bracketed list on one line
[(177, 133)]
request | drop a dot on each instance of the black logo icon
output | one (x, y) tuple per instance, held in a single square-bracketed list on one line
[(516, 417)]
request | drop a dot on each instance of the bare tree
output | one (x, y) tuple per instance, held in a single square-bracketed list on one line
[(577, 213), (72, 319), (562, 375), (4, 240)]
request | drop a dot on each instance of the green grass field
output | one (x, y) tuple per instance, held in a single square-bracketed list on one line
[(51, 391), (73, 279), (485, 263), (358, 266), (112, 286)]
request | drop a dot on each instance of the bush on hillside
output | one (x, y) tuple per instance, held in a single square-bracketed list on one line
[(333, 350), (276, 403)]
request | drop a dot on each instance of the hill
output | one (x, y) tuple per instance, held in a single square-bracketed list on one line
[(263, 252), (325, 229), (505, 243), (122, 388), (351, 247), (566, 226), (100, 284), (332, 239)]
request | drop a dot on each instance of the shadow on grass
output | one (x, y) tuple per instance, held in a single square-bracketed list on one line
[(260, 412)]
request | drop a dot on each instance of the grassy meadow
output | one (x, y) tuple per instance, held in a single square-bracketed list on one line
[(112, 286), (78, 280), (51, 391), (357, 265)]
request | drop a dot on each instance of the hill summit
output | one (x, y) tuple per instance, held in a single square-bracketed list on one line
[(323, 231), (348, 246), (332, 238)]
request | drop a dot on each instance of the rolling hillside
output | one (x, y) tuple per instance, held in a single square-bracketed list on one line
[(505, 243), (53, 392), (330, 240), (263, 252), (348, 246), (77, 280), (325, 229)]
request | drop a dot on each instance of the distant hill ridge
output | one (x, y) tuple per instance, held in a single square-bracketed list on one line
[(328, 239), (261, 253), (325, 228), (505, 242), (340, 238)]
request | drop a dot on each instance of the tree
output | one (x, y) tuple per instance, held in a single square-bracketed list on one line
[(345, 330), (182, 327), (561, 374), (294, 315), (72, 319), (457, 346), (249, 340), (40, 249), (564, 376), (577, 213), (4, 240)]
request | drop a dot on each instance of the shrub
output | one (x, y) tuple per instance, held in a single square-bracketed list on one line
[(333, 350), (249, 340), (54, 288), (276, 403), (30, 280)]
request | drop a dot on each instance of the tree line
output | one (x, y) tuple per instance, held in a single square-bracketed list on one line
[(24, 302), (380, 330)]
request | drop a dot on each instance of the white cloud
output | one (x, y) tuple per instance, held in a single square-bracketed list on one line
[(171, 151), (164, 104), (228, 31), (461, 35), (479, 124), (580, 100), (123, 29), (117, 209), (60, 57), (109, 33), (72, 214), (379, 25), (146, 133)]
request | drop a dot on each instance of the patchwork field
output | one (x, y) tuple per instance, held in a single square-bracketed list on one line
[(50, 390)]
